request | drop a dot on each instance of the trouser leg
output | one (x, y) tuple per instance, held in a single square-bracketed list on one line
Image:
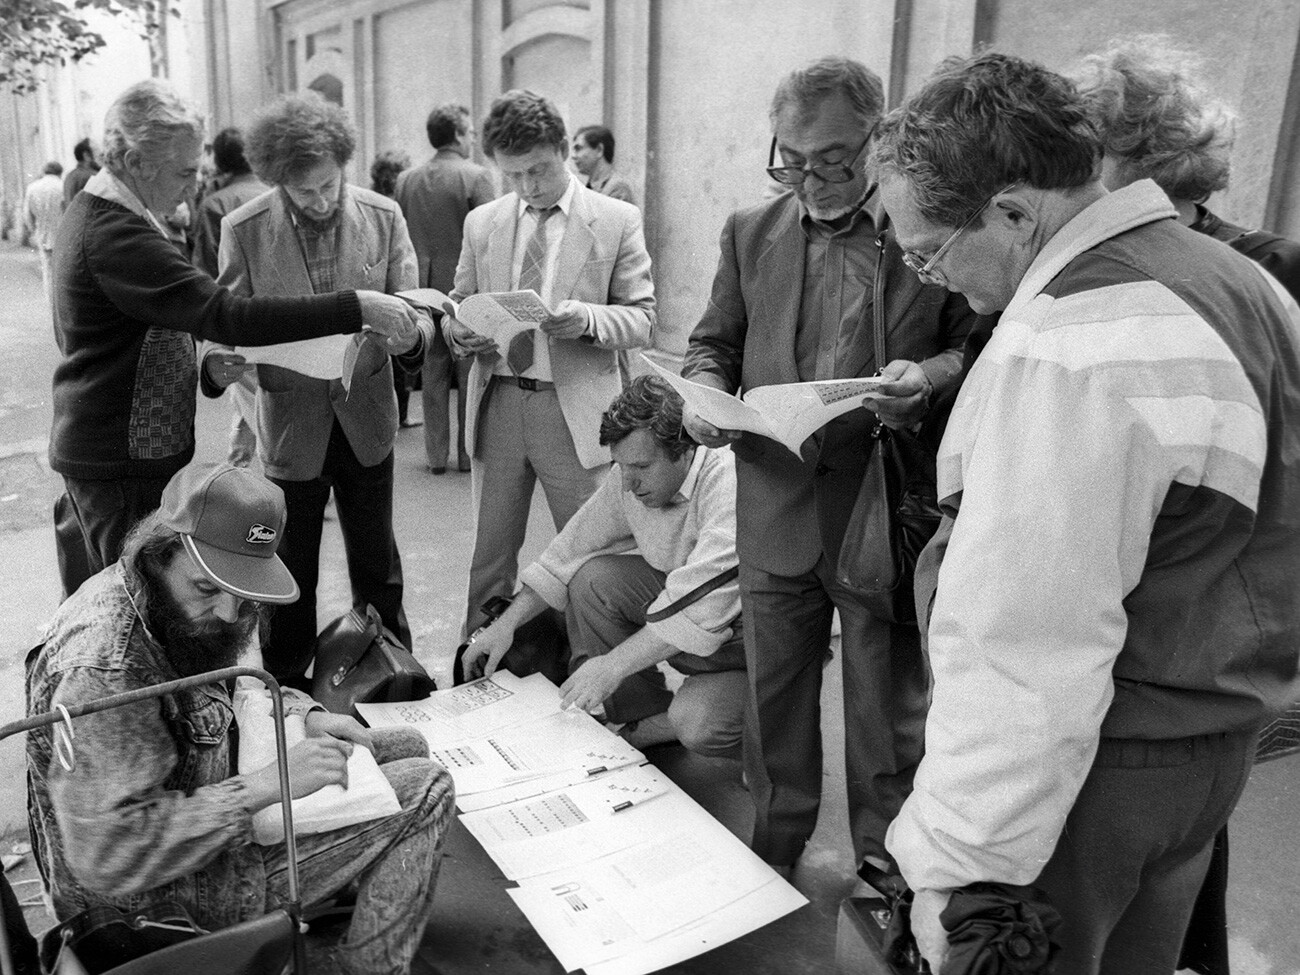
[(549, 446), (886, 688), (1135, 847), (462, 394), (1205, 948), (436, 386), (502, 481), (364, 499), (396, 860), (292, 639), (69, 546), (708, 713), (787, 632), (607, 601), (106, 511)]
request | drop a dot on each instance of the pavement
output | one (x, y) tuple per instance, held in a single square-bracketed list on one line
[(476, 927)]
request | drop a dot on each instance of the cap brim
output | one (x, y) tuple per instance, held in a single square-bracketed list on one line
[(246, 576)]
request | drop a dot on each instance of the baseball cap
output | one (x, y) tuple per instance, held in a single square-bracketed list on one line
[(231, 521)]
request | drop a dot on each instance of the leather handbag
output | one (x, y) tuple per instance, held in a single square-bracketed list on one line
[(895, 515), (359, 660)]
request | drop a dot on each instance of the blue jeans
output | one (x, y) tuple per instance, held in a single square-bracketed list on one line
[(396, 861)]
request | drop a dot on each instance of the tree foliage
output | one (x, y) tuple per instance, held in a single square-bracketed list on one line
[(39, 32)]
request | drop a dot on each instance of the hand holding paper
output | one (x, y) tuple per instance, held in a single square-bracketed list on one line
[(903, 395), (396, 321)]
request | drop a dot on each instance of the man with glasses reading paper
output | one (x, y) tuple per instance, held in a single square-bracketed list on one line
[(800, 280)]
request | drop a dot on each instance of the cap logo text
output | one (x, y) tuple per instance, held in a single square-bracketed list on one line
[(261, 535)]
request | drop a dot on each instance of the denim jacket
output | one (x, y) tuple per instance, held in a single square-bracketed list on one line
[(151, 809)]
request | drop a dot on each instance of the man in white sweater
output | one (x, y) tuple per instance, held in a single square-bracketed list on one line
[(645, 572)]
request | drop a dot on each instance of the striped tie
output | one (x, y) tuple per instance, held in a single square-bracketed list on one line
[(531, 274)]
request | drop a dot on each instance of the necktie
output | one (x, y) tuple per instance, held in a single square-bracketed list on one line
[(531, 274)]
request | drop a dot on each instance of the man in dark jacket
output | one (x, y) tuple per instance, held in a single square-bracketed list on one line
[(434, 199)]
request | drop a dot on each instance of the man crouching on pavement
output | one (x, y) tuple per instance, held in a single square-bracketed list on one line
[(662, 524), (150, 809)]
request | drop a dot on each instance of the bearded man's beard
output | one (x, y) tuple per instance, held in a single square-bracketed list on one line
[(197, 646)]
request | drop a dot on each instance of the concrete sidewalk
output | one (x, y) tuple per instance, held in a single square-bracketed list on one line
[(477, 928)]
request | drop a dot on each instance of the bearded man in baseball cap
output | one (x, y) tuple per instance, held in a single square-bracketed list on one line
[(151, 810)]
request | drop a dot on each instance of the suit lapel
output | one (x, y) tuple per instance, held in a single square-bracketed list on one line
[(501, 245), (575, 246), (781, 262), (287, 262)]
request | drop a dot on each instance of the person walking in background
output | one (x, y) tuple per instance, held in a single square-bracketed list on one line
[(534, 409), (435, 198), (127, 308), (237, 186), (42, 208), (314, 234), (385, 169), (593, 157), (87, 166)]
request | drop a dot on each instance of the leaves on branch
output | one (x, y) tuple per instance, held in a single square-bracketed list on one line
[(39, 32)]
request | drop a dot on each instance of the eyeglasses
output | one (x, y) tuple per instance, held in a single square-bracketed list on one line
[(925, 268), (827, 173)]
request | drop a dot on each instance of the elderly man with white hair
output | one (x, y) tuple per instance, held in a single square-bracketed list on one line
[(127, 309)]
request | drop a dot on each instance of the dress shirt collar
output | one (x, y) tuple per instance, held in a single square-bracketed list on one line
[(564, 202)]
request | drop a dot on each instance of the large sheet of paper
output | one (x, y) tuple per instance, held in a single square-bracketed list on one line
[(499, 315), (320, 358), (470, 711), (580, 823), (788, 413), (613, 907), (569, 739)]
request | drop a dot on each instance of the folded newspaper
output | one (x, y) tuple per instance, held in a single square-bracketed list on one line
[(788, 413)]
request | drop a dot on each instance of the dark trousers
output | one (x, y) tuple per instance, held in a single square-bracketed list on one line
[(1135, 849), (22, 946), (104, 513), (787, 631), (363, 497), (440, 369)]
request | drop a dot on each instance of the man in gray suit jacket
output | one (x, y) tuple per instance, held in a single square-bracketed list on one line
[(435, 199), (534, 409), (799, 283), (313, 234)]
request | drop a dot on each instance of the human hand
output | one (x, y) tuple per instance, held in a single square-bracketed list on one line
[(466, 342), (313, 764), (391, 319), (322, 723), (704, 431), (931, 936), (592, 683), (904, 396), (568, 321), (483, 655), (225, 368)]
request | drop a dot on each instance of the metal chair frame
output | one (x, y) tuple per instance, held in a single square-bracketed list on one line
[(294, 906)]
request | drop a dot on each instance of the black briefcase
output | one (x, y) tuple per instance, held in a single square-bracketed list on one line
[(359, 660)]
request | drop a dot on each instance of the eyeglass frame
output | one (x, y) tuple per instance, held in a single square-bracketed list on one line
[(924, 269), (846, 170)]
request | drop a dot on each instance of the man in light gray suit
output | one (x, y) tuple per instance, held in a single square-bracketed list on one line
[(534, 409), (435, 199)]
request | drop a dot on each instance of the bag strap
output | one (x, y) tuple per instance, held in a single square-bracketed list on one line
[(878, 305), (694, 596)]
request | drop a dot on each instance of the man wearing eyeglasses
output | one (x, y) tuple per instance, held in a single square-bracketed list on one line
[(800, 280), (1115, 607)]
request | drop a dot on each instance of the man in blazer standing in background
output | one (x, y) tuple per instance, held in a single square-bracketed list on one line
[(435, 199), (534, 409)]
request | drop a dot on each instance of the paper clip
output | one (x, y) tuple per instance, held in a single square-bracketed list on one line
[(63, 735)]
